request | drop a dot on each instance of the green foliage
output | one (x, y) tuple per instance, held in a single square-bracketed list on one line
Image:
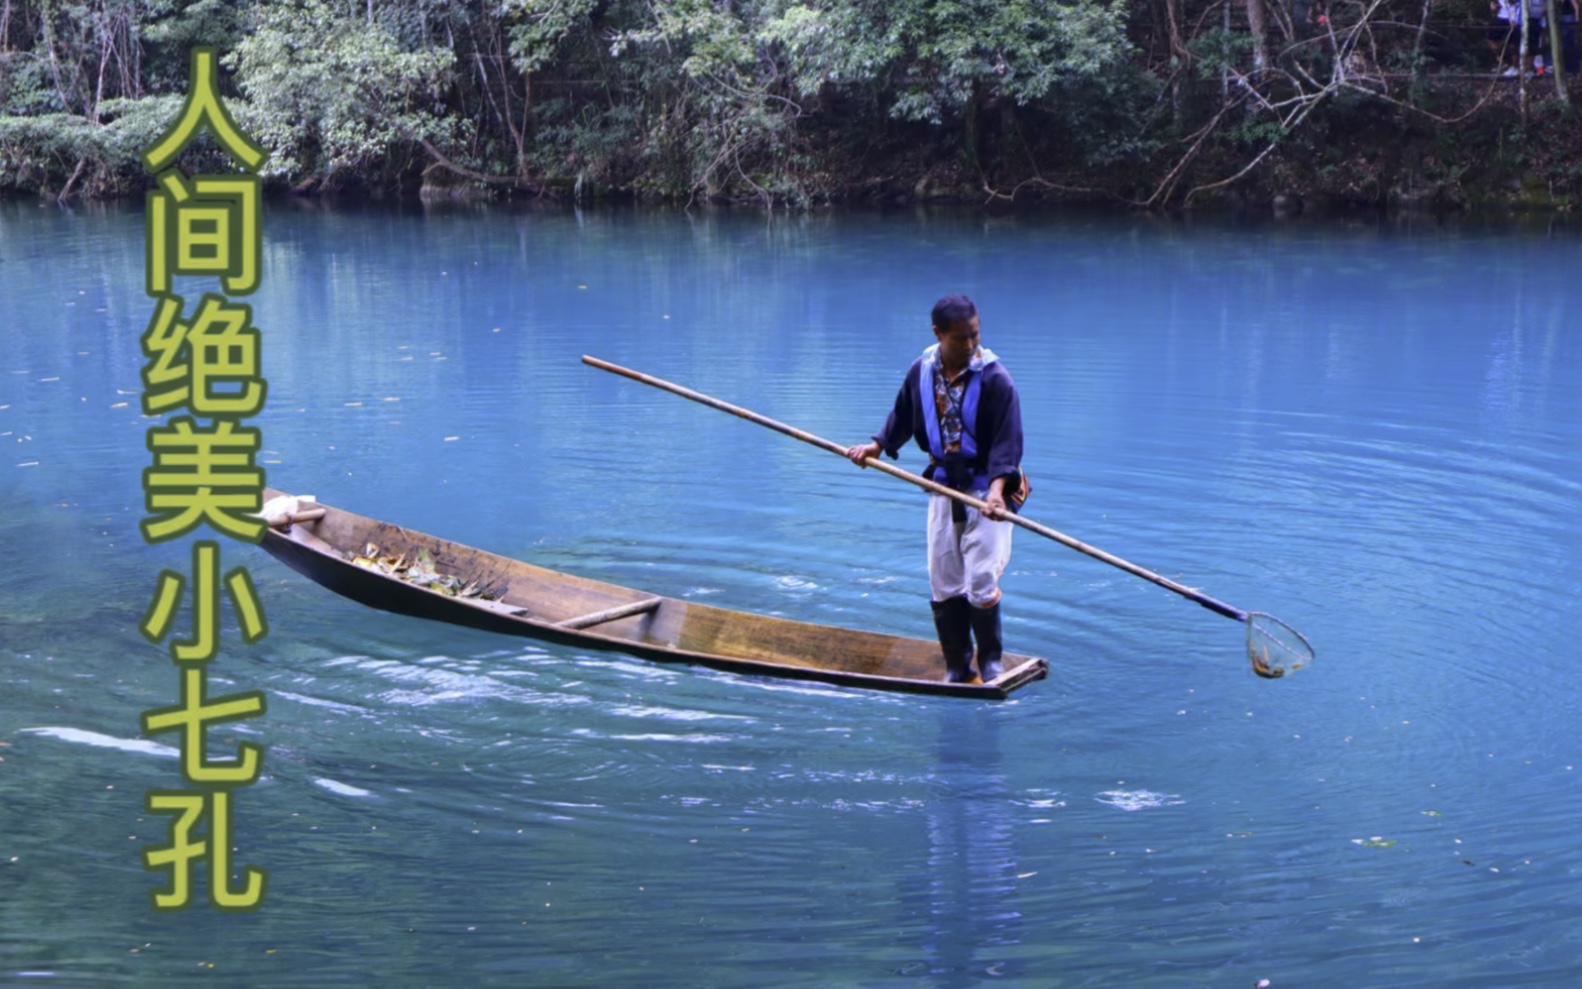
[(328, 90), (775, 100), (28, 89), (1114, 117), (1214, 51), (41, 153), (840, 45), (1016, 49), (942, 55), (75, 103), (725, 115), (539, 29), (172, 28), (1256, 132)]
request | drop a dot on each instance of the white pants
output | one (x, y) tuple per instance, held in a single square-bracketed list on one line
[(966, 558)]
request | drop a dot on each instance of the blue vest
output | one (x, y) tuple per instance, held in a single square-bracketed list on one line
[(969, 414)]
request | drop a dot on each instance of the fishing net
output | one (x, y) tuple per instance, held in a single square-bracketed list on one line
[(1275, 648)]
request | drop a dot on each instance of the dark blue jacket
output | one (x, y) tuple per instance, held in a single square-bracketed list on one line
[(998, 430)]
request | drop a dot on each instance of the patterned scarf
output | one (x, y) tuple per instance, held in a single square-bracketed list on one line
[(948, 398)]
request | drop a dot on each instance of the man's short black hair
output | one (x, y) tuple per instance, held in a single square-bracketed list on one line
[(953, 309)]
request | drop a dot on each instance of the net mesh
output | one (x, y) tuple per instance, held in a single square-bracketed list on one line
[(1275, 648)]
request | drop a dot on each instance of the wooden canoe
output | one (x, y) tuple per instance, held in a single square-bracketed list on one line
[(322, 542)]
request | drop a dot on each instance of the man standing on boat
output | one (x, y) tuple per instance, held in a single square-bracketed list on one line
[(960, 405)]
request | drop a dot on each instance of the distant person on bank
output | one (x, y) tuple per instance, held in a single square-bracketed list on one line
[(959, 404), (1537, 33), (1504, 36)]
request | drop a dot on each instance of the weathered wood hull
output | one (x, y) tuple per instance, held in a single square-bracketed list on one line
[(522, 599)]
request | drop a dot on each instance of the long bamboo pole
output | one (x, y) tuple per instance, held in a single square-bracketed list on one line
[(1189, 593)]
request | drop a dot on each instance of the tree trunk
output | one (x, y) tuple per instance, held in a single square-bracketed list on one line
[(1524, 62), (1419, 69), (1557, 55), (106, 45), (970, 125), (1180, 57), (1224, 72), (1178, 44), (1167, 21), (1258, 27)]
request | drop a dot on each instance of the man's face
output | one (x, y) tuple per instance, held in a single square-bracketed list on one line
[(958, 342)]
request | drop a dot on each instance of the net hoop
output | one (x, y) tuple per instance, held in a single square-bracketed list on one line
[(1275, 648)]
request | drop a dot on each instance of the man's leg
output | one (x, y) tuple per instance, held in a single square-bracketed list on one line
[(953, 623), (985, 550), (947, 591)]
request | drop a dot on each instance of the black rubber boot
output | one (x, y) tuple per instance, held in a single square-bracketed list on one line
[(953, 622), (986, 629)]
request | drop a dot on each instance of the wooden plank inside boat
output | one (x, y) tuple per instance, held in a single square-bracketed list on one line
[(610, 614)]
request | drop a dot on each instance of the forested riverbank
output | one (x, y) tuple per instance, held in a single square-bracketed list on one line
[(1152, 103)]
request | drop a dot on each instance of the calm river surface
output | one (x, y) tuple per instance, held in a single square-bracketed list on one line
[(1373, 432)]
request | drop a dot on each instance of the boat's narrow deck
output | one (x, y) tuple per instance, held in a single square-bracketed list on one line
[(371, 561)]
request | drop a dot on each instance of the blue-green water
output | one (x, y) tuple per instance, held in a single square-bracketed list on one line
[(1371, 432)]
